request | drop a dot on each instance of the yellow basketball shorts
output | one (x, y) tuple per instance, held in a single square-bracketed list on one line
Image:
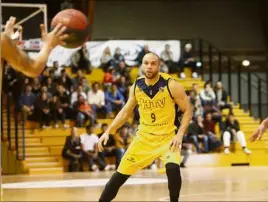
[(144, 149)]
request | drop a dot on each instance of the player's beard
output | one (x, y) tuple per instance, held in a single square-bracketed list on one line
[(150, 75)]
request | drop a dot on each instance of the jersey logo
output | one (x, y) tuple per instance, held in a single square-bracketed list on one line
[(149, 104)]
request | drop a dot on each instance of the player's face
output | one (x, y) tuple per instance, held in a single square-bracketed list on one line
[(150, 66)]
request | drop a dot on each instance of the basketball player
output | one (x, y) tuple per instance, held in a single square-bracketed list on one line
[(157, 95), (19, 60), (259, 132)]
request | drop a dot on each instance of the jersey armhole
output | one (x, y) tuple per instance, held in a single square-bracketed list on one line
[(169, 89), (135, 88)]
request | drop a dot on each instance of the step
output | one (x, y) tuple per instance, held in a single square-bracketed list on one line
[(43, 165), (40, 159), (40, 171), (36, 154), (56, 150)]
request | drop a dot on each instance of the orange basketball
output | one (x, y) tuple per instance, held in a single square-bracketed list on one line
[(77, 26)]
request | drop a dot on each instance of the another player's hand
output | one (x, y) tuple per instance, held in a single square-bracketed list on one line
[(9, 27), (103, 139), (55, 37), (176, 143), (258, 133)]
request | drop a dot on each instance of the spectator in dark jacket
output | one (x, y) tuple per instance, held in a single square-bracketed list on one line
[(221, 97), (57, 112), (231, 130), (26, 102), (72, 151), (42, 110)]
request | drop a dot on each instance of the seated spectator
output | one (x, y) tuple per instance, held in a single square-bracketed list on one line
[(196, 103), (196, 134), (76, 93), (45, 90), (110, 149), (209, 126), (231, 130), (42, 110), (216, 114), (57, 112), (96, 99), (114, 100), (81, 60), (123, 140), (77, 79), (85, 85), (36, 86), (89, 143), (207, 95), (84, 112), (108, 78), (51, 86), (106, 59), (118, 57), (123, 87), (142, 53), (189, 61), (57, 69), (167, 57), (65, 81), (121, 68), (221, 98), (26, 102), (72, 151), (163, 67)]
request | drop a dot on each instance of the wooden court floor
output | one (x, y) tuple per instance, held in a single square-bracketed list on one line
[(199, 184)]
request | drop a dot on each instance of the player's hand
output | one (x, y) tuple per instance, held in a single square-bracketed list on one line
[(103, 139), (55, 37), (9, 27), (258, 133), (176, 143)]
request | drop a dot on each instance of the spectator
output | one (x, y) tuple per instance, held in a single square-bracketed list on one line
[(123, 140), (216, 114), (45, 90), (118, 57), (65, 102), (141, 54), (189, 61), (57, 69), (232, 129), (43, 111), (123, 87), (65, 80), (96, 99), (106, 59), (207, 95), (196, 103), (27, 101), (78, 78), (163, 67), (108, 78), (221, 98), (90, 149), (167, 57), (36, 86), (80, 60), (85, 85), (109, 149), (209, 126), (72, 151), (85, 112), (114, 100), (76, 93), (196, 134), (51, 86), (57, 112)]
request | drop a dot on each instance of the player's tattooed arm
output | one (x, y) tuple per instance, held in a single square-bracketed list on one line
[(181, 99), (124, 113), (19, 60)]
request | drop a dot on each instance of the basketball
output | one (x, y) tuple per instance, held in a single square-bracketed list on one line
[(77, 27)]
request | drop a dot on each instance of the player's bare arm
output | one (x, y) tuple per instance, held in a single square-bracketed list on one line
[(259, 132), (120, 118), (19, 60), (181, 99)]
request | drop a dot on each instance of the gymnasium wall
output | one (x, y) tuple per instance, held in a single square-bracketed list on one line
[(228, 24)]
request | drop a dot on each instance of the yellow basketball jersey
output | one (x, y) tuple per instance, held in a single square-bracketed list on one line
[(156, 106)]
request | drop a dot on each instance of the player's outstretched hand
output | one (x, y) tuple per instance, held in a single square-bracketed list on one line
[(176, 143), (258, 133), (55, 37), (103, 139), (9, 27)]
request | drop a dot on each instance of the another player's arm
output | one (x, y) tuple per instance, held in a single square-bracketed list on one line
[(120, 119), (260, 130), (181, 99)]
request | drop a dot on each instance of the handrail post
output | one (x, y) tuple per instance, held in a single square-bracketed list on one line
[(220, 66), (16, 133), (201, 55), (8, 121), (259, 99), (239, 85), (229, 77), (210, 63), (249, 93)]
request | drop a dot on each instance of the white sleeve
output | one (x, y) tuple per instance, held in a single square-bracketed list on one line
[(102, 98)]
